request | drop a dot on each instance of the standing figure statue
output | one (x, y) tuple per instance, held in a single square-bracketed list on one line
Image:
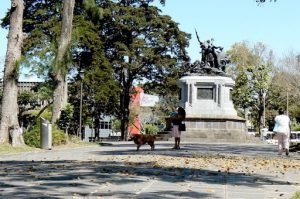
[(209, 53)]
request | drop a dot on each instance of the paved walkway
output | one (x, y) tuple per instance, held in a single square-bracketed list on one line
[(116, 170)]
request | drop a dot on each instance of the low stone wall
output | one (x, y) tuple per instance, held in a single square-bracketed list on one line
[(215, 136), (212, 130), (217, 130)]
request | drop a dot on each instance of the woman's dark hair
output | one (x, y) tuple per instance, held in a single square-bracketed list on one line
[(181, 111), (281, 111)]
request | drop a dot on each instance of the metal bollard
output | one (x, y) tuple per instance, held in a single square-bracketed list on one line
[(46, 134)]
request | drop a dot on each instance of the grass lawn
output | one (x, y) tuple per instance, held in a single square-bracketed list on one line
[(8, 149), (296, 196)]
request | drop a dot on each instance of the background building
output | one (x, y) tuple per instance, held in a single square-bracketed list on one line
[(23, 86)]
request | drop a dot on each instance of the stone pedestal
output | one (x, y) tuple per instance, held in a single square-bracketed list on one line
[(215, 130), (207, 96), (210, 114)]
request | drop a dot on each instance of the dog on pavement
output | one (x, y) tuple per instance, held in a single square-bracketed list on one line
[(141, 139)]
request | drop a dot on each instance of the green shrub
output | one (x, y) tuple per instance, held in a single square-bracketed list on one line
[(66, 118), (58, 136), (32, 137), (296, 127), (296, 196), (74, 139), (47, 114), (116, 127), (151, 129)]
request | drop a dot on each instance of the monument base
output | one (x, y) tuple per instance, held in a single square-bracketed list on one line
[(214, 130)]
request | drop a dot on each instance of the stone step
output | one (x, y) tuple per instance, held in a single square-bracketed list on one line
[(205, 137), (164, 135)]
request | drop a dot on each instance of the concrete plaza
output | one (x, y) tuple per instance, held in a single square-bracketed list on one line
[(116, 170)]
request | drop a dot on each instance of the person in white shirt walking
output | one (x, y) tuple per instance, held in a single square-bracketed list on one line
[(282, 128)]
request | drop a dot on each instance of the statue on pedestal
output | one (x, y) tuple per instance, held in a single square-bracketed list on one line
[(211, 61)]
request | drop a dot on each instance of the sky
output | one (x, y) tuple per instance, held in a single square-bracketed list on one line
[(227, 21), (230, 21)]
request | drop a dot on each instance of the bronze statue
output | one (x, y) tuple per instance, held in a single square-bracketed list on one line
[(211, 62)]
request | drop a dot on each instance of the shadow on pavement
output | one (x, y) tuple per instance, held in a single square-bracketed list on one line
[(188, 150), (122, 179), (105, 144), (162, 195)]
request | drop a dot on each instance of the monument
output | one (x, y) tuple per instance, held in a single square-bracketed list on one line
[(206, 96)]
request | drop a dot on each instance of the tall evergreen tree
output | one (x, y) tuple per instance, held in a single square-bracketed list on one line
[(141, 44), (42, 23), (133, 39), (63, 56)]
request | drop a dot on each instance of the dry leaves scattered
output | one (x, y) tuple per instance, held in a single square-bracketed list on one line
[(220, 163)]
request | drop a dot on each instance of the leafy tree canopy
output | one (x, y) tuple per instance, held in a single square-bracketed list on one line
[(118, 43), (252, 74)]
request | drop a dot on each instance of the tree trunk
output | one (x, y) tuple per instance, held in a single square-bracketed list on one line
[(260, 117), (125, 100), (60, 96), (124, 106), (9, 127), (246, 112)]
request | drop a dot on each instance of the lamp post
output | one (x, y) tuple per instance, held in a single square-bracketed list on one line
[(264, 113), (81, 74), (93, 121), (287, 102)]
